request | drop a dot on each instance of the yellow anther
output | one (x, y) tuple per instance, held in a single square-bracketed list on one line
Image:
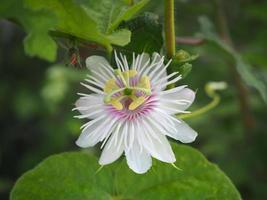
[(129, 73), (116, 104), (137, 102), (110, 86), (127, 91), (145, 82), (120, 74)]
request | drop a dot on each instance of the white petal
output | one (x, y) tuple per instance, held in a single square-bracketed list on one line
[(112, 150), (142, 62), (98, 65), (178, 100), (183, 132), (93, 88), (155, 65), (138, 159), (157, 72), (159, 149), (93, 133), (173, 127), (90, 104)]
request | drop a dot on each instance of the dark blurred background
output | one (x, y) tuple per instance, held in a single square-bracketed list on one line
[(36, 97)]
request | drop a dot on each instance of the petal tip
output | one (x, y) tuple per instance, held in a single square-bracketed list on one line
[(190, 138), (94, 60), (80, 143)]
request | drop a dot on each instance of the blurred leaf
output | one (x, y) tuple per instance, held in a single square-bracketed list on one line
[(58, 82), (73, 175), (243, 68), (146, 34), (36, 24), (257, 57), (25, 104), (257, 10)]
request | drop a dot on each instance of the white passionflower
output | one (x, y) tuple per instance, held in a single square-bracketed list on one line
[(130, 111)]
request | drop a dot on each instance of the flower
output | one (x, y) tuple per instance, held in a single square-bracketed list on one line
[(131, 112)]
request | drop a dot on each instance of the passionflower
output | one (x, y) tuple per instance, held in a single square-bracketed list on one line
[(130, 111)]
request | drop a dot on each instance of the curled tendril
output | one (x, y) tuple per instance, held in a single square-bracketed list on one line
[(210, 88)]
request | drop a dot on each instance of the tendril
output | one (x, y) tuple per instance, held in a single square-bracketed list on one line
[(210, 89)]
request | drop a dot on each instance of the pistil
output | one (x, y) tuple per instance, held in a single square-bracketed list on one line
[(115, 93)]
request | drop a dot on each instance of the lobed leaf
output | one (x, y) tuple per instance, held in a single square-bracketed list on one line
[(36, 24), (88, 20)]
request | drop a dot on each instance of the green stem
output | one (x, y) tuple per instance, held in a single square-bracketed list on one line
[(169, 28)]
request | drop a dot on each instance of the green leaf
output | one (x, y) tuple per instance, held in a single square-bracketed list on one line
[(243, 68), (58, 79), (36, 24), (110, 13), (128, 14), (121, 37), (146, 34), (74, 176), (88, 20)]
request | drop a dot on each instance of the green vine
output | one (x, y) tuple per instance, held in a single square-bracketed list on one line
[(169, 28)]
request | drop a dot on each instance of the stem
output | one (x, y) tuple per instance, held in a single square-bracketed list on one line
[(169, 28)]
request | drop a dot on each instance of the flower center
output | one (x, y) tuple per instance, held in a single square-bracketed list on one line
[(127, 90)]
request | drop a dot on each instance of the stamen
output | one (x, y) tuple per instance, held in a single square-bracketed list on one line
[(137, 102), (110, 86), (107, 98), (116, 104), (146, 91), (127, 91), (145, 83), (119, 73), (130, 73)]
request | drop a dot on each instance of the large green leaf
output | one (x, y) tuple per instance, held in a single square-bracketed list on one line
[(74, 176), (75, 21), (243, 68), (88, 20)]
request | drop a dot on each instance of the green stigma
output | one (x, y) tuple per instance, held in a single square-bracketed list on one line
[(127, 91)]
